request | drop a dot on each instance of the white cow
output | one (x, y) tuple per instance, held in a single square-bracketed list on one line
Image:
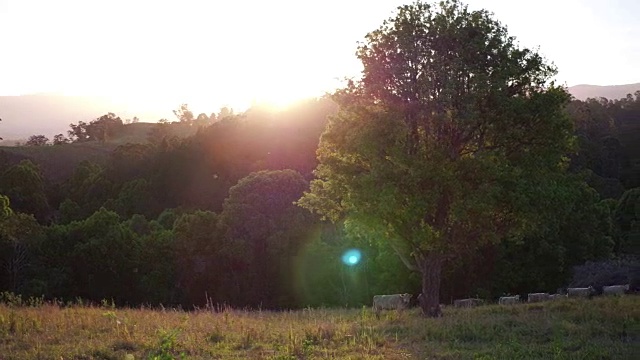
[(581, 292), (509, 300), (615, 289), (391, 302), (537, 297)]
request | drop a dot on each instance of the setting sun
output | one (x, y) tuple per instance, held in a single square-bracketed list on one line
[(212, 54)]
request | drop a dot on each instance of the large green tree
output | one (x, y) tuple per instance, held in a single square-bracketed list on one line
[(452, 138), (264, 232), (37, 140)]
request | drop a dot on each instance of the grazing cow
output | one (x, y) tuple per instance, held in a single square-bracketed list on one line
[(538, 297), (557, 296), (467, 303), (391, 302), (615, 289), (581, 292), (509, 300)]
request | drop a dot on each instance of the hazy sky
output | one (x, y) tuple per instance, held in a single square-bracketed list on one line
[(211, 53)]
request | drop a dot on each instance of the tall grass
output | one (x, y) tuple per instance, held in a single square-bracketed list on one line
[(602, 328)]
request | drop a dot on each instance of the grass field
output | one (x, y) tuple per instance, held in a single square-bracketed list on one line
[(601, 328)]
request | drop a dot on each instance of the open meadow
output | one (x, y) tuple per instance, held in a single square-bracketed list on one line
[(600, 328)]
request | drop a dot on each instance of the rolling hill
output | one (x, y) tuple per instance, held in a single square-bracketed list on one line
[(582, 92), (58, 162), (50, 114)]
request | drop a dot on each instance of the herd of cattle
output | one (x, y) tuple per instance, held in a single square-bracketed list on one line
[(403, 301)]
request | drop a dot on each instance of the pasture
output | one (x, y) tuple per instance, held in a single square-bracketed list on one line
[(600, 328)]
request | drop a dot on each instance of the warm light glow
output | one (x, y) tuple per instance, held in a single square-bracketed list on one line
[(210, 54)]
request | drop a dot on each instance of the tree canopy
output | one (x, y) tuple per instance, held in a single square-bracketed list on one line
[(453, 137), (37, 140)]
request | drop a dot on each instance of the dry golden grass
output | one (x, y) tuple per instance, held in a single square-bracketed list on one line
[(602, 328)]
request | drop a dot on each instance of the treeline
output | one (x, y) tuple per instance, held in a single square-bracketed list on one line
[(212, 216)]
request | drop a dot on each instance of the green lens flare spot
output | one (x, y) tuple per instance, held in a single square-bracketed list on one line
[(351, 257)]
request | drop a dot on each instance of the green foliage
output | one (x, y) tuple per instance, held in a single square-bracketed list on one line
[(69, 211), (198, 254), (13, 300), (324, 280), (88, 187), (129, 161), (132, 259), (20, 235), (167, 346), (59, 139), (37, 140), (319, 281), (607, 131), (156, 268), (101, 129), (447, 142), (135, 197), (627, 222), (168, 218), (266, 230), (24, 185), (5, 207)]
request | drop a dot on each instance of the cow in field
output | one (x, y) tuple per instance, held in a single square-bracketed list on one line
[(509, 300), (581, 292), (538, 297), (391, 302), (467, 303), (615, 289)]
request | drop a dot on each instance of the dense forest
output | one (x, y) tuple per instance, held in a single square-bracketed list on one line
[(212, 217), (453, 168)]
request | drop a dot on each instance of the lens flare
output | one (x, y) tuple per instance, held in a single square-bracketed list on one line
[(351, 257)]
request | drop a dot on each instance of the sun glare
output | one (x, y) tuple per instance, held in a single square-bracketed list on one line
[(279, 87)]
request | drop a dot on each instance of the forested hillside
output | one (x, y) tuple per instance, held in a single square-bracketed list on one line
[(211, 215), (179, 219)]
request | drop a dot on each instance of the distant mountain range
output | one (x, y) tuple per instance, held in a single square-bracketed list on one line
[(611, 92), (47, 114)]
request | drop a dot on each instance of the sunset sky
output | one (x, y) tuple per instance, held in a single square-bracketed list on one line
[(214, 53)]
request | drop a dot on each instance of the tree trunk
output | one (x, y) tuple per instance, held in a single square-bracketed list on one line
[(431, 269)]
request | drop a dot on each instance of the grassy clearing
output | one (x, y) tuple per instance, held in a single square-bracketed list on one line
[(602, 328)]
